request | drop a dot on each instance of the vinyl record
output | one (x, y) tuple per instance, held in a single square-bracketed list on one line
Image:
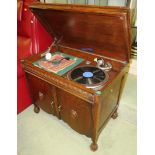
[(89, 76)]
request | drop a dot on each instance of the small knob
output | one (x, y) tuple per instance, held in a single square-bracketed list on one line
[(52, 103), (88, 62), (111, 90), (73, 114), (41, 95), (59, 108), (48, 56)]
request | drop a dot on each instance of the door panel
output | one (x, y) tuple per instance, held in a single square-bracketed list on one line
[(42, 94), (109, 102), (75, 111)]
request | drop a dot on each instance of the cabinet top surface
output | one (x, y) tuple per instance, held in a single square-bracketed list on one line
[(63, 81), (104, 29)]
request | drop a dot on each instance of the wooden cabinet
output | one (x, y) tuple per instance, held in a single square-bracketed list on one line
[(71, 109), (85, 109), (88, 118)]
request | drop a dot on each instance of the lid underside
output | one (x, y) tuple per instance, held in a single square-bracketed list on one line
[(104, 29)]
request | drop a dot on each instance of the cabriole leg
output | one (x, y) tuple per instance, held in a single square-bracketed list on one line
[(36, 108), (93, 145), (115, 114)]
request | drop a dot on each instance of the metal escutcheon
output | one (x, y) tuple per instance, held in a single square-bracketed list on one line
[(73, 114)]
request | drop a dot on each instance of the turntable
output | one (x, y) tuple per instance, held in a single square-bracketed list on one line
[(85, 94), (89, 76)]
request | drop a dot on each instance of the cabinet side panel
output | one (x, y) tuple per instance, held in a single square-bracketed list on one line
[(109, 102)]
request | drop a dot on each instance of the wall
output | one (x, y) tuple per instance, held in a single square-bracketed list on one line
[(117, 2), (97, 2)]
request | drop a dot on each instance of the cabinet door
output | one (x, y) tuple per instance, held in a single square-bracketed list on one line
[(75, 111), (42, 93)]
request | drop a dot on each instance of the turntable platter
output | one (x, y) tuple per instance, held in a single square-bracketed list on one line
[(90, 76)]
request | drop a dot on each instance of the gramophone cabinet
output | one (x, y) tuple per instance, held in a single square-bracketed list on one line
[(83, 33)]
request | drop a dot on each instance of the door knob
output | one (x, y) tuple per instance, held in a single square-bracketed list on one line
[(52, 103), (111, 90), (59, 108), (41, 95), (73, 114)]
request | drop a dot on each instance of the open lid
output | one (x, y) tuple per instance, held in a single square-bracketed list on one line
[(104, 29)]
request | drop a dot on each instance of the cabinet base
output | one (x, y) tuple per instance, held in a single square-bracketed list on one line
[(93, 147)]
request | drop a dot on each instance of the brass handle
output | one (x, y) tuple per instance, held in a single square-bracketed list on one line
[(52, 103), (41, 95), (59, 108), (73, 114)]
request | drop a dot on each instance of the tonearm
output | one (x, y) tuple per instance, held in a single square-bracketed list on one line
[(54, 43)]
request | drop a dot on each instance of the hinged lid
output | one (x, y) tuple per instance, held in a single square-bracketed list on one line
[(104, 29)]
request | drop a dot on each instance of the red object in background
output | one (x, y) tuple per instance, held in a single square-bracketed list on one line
[(31, 39)]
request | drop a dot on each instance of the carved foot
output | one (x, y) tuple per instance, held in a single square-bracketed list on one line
[(115, 115), (36, 109), (93, 147)]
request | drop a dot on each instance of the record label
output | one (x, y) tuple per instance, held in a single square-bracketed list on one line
[(88, 74)]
